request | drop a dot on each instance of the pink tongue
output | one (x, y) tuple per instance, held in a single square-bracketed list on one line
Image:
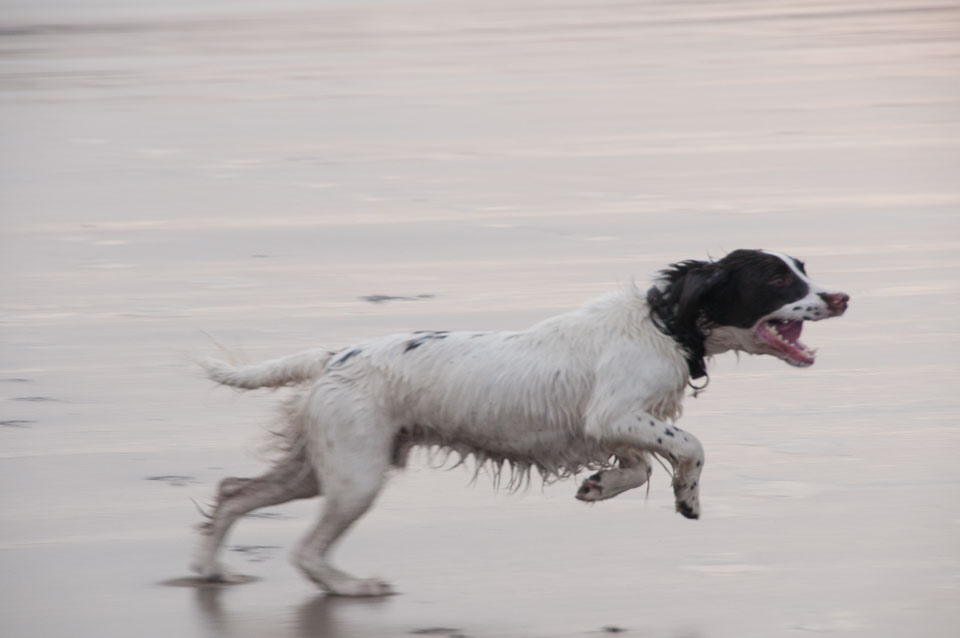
[(790, 331)]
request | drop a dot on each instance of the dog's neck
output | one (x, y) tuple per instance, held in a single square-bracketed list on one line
[(692, 341)]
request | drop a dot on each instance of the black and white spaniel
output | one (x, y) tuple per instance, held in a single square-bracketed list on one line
[(598, 388)]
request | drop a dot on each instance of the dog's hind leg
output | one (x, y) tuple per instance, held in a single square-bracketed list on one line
[(291, 478), (353, 461), (609, 483)]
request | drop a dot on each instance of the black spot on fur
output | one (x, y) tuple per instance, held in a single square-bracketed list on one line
[(698, 463), (668, 432), (346, 357), (660, 440), (423, 338), (652, 424)]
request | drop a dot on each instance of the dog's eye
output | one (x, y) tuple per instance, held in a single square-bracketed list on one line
[(780, 280)]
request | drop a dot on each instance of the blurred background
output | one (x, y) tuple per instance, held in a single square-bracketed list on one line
[(290, 174)]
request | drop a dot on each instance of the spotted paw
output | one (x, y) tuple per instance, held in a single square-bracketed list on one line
[(687, 499), (687, 495), (591, 489), (689, 510)]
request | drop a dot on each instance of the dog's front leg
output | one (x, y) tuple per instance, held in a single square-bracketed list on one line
[(643, 432), (632, 473)]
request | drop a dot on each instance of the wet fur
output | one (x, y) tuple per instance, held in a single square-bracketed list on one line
[(594, 389)]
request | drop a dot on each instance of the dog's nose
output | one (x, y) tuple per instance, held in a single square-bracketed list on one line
[(836, 302)]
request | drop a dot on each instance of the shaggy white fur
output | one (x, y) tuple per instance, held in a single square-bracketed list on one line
[(597, 388)]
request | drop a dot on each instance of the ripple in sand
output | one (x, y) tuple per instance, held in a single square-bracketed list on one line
[(175, 480)]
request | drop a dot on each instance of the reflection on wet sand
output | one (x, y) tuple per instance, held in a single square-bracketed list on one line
[(321, 614), (317, 615)]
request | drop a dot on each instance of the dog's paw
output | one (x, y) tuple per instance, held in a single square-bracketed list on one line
[(688, 498), (361, 587), (591, 489), (689, 510), (216, 573)]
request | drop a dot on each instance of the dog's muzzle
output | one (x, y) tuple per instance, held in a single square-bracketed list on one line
[(836, 302)]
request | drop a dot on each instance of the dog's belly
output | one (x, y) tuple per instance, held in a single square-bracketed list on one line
[(554, 446)]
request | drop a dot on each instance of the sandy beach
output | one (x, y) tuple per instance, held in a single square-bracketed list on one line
[(255, 170)]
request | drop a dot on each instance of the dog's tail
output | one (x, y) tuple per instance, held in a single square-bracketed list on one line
[(275, 373)]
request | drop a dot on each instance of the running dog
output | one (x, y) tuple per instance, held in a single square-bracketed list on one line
[(595, 389)]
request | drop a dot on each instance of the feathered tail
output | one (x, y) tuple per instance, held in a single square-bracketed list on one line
[(275, 373)]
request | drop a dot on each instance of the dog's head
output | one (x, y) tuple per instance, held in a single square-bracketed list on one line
[(751, 300)]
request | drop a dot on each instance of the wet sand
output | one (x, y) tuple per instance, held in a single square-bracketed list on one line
[(254, 171)]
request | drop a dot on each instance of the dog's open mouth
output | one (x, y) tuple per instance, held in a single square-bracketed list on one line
[(784, 337)]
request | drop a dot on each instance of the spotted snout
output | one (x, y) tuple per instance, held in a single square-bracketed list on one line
[(836, 302)]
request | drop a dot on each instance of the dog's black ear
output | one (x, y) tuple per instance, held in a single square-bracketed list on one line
[(677, 306), (695, 288)]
